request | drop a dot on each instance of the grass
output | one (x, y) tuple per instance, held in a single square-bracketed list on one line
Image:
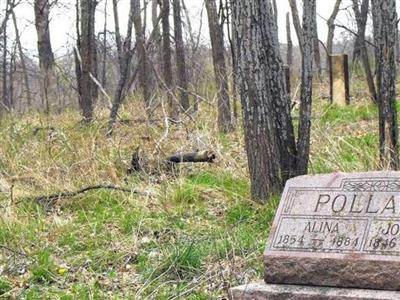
[(187, 234)]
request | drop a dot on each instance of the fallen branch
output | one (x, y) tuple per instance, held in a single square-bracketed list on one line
[(67, 194), (195, 157), (13, 251), (138, 164)]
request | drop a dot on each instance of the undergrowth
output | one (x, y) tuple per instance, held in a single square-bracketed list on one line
[(188, 233)]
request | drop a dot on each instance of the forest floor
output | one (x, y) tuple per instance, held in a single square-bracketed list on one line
[(187, 233)]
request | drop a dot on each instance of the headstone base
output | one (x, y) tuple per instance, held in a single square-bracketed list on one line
[(264, 291)]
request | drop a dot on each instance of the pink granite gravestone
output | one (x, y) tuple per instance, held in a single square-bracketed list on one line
[(334, 234)]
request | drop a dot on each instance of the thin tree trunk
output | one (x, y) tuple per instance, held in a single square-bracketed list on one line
[(103, 70), (228, 6), (5, 100), (118, 39), (180, 56), (296, 23), (157, 34), (385, 18), (217, 44), (289, 52), (317, 54), (126, 57), (303, 143), (331, 29), (360, 48), (23, 63), (45, 52), (167, 56), (88, 61), (142, 56), (11, 73)]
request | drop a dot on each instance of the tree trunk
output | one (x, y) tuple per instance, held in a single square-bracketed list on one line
[(167, 67), (104, 66), (217, 44), (23, 63), (269, 134), (331, 29), (87, 61), (125, 57), (45, 52), (142, 56), (118, 39), (296, 23), (385, 18), (317, 54), (157, 34), (180, 57), (5, 95), (289, 52), (360, 47), (303, 144)]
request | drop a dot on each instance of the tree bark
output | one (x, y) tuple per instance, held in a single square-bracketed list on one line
[(269, 134), (88, 61), (296, 23), (157, 34), (180, 57), (360, 47), (118, 39), (167, 67), (46, 57), (303, 143), (5, 95), (104, 66), (385, 18), (317, 54), (142, 55), (225, 123), (331, 29), (28, 92), (289, 52)]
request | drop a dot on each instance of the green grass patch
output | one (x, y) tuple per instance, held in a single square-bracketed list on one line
[(44, 268), (5, 286), (348, 114), (225, 182)]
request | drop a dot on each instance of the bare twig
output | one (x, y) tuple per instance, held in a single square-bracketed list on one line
[(13, 250), (68, 194)]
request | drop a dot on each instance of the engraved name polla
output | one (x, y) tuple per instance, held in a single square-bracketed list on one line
[(357, 217)]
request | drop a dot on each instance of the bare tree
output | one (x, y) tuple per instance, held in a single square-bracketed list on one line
[(167, 56), (104, 66), (289, 52), (157, 34), (296, 23), (273, 156), (142, 56), (269, 132), (118, 39), (217, 44), (86, 62), (126, 77), (125, 58), (22, 60), (46, 57), (5, 93), (360, 47), (180, 56), (317, 54), (331, 29), (385, 25), (303, 144)]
